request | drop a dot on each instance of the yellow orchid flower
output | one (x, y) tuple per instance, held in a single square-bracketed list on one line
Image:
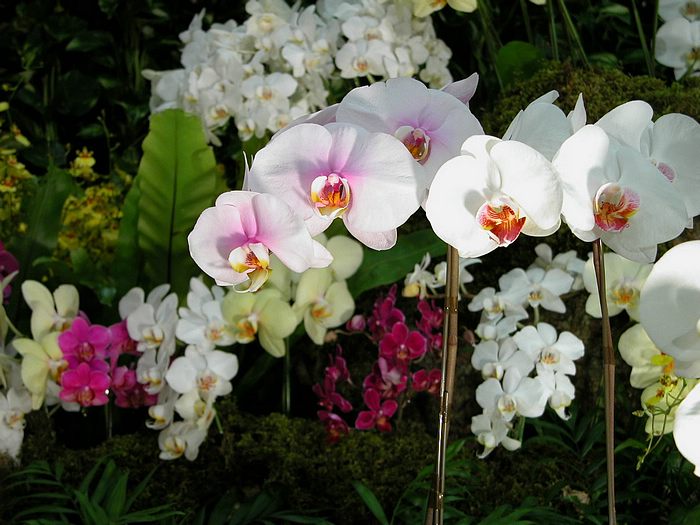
[(41, 361), (423, 8)]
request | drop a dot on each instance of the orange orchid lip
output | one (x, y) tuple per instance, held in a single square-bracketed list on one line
[(614, 206), (501, 221), (330, 195)]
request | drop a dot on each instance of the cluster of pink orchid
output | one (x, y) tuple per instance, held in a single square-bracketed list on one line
[(393, 379)]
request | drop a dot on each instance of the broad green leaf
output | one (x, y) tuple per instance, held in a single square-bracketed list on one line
[(127, 257), (90, 41), (380, 268), (371, 501), (116, 497), (178, 180), (518, 61)]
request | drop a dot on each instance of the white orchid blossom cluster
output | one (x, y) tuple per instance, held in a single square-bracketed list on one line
[(277, 65), (510, 349), (678, 39)]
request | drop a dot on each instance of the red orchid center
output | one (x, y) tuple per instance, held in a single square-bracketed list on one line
[(614, 206), (501, 221), (416, 140), (330, 195), (86, 351)]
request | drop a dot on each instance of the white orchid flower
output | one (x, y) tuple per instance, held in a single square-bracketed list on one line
[(549, 351), (494, 359), (202, 323), (523, 396), (545, 127), (322, 303), (497, 329), (151, 368), (567, 261), (496, 305), (677, 45), (687, 428), (647, 361), (485, 197), (465, 277), (492, 430), (538, 287), (153, 323), (181, 438), (264, 315), (612, 192), (162, 412), (420, 280), (623, 284), (13, 408), (669, 307), (672, 9), (50, 313), (423, 8), (560, 391), (209, 373)]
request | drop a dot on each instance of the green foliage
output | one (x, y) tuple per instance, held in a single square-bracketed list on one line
[(518, 60), (177, 180), (102, 498), (381, 268)]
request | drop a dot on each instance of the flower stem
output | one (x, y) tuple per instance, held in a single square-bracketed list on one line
[(553, 32), (643, 39), (526, 19), (609, 367), (434, 515), (287, 380), (573, 33)]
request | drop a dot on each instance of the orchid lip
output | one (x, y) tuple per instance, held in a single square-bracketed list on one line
[(330, 195), (416, 140), (501, 221), (253, 260), (614, 206)]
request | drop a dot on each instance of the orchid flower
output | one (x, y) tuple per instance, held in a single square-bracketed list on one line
[(13, 407), (433, 126), (208, 372), (347, 255), (322, 303), (687, 428), (181, 438), (549, 351), (560, 390), (648, 362), (465, 277), (263, 314), (420, 280), (492, 430), (153, 322), (85, 386), (669, 307), (379, 413), (623, 284), (423, 8), (613, 193), (84, 343), (677, 44), (485, 197), (672, 9), (202, 323), (231, 242), (524, 396), (41, 361), (493, 359), (543, 126), (50, 313), (342, 170), (567, 261), (538, 287)]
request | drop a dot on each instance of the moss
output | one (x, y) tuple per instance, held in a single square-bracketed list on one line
[(603, 89)]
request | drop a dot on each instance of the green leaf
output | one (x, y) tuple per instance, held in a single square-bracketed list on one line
[(518, 61), (91, 131), (90, 41), (127, 257), (386, 267), (116, 497), (371, 501), (76, 93), (178, 180)]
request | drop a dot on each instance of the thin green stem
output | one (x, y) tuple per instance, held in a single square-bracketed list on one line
[(553, 38), (287, 380), (493, 42), (654, 30), (526, 20), (643, 39), (573, 33)]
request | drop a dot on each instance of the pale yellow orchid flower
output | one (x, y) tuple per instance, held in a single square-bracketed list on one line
[(50, 313), (41, 361), (423, 8), (264, 315)]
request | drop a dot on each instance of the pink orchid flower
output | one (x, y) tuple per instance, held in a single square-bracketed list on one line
[(424, 381), (370, 180), (85, 343), (402, 344), (335, 425), (378, 414), (232, 240), (84, 386), (388, 377)]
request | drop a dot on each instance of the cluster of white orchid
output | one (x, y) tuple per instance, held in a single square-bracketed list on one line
[(510, 349), (678, 39), (278, 64), (421, 282), (63, 345)]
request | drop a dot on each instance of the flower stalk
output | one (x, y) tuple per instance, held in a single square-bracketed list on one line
[(609, 381), (436, 501)]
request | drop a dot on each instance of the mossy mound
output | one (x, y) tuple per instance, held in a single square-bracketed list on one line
[(602, 89)]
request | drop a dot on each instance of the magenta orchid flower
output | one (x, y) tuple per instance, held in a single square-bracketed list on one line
[(388, 377), (370, 180), (84, 386), (231, 241), (433, 125), (8, 265), (379, 412), (335, 425), (85, 343), (427, 381), (328, 397), (484, 198), (402, 344)]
